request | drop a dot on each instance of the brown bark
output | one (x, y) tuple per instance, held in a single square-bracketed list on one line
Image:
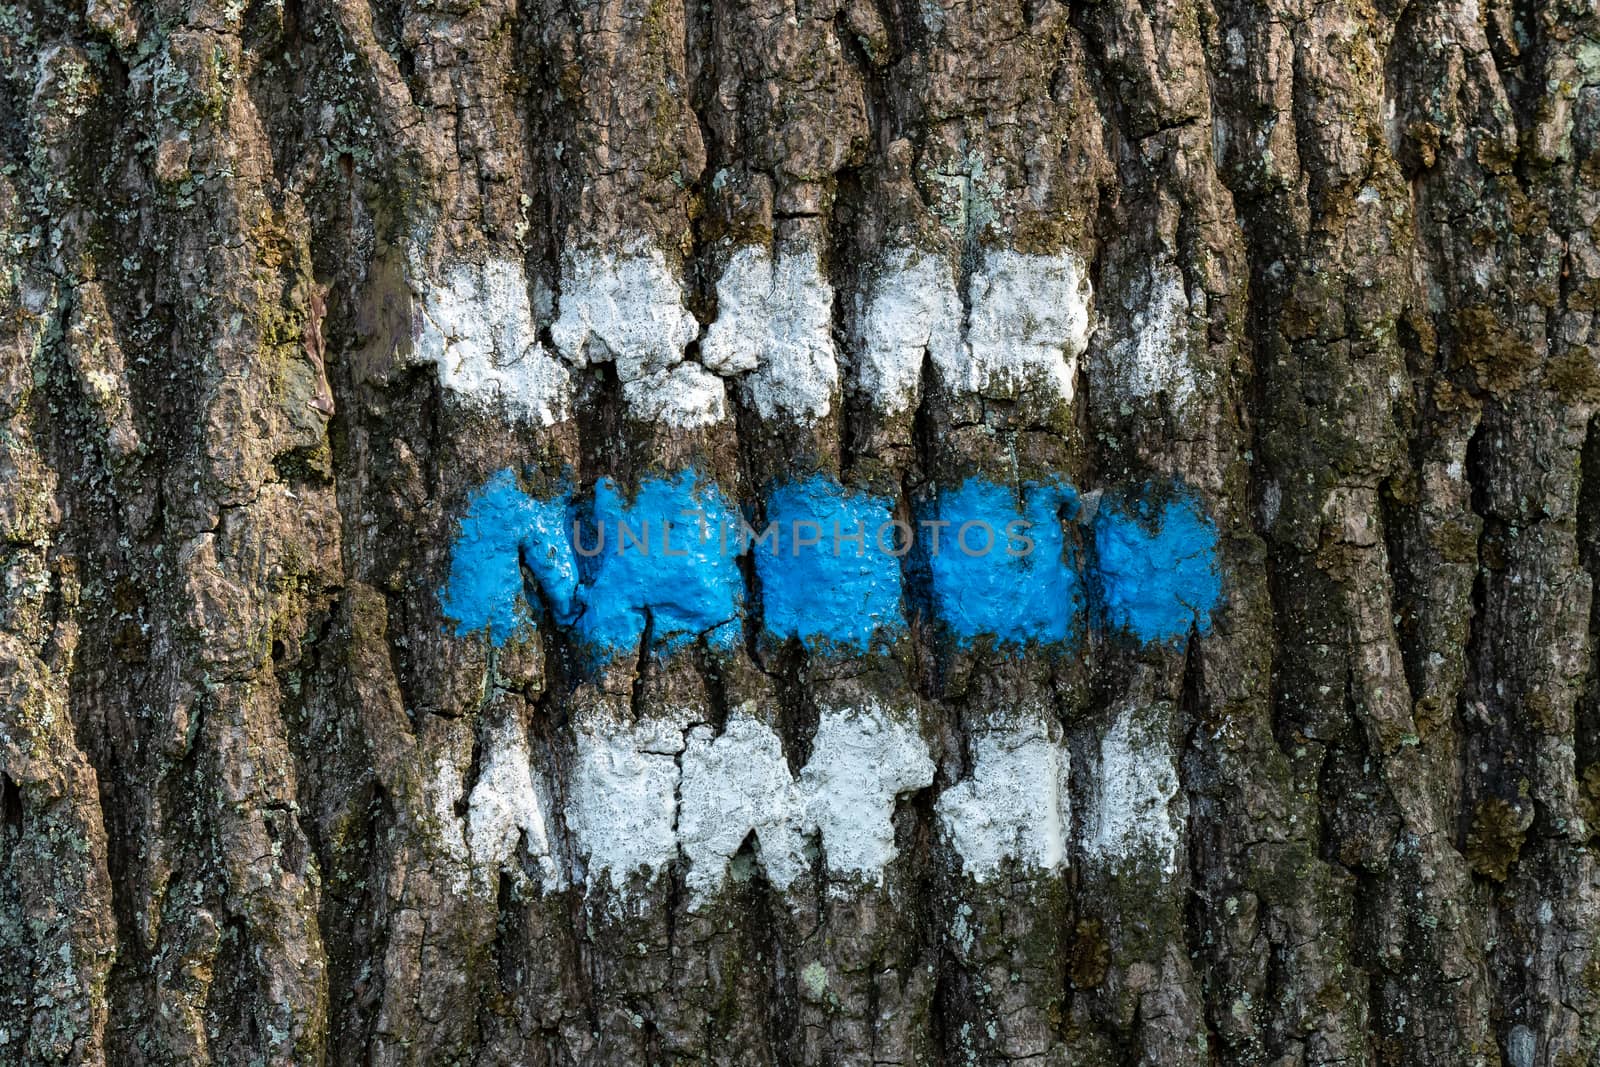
[(237, 738)]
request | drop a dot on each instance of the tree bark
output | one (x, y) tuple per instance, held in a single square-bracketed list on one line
[(287, 282)]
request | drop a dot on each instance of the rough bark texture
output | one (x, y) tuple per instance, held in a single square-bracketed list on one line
[(239, 744)]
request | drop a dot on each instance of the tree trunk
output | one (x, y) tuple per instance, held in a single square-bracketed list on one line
[(321, 741)]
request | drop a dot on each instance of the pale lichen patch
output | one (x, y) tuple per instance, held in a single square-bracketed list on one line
[(1153, 358)]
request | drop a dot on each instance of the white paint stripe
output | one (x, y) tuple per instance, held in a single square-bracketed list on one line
[(907, 309), (622, 802), (477, 328), (1014, 806), (628, 309), (1132, 820), (775, 321), (508, 806), (734, 785), (1028, 323), (643, 794), (739, 782), (861, 760), (1027, 327), (626, 791)]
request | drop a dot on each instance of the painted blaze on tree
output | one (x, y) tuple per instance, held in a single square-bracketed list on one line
[(834, 567)]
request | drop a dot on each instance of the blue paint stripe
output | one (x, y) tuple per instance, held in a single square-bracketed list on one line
[(1157, 566), (662, 570), (1001, 566), (502, 529), (998, 563), (830, 572)]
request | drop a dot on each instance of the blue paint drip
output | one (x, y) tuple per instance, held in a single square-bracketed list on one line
[(1158, 568), (501, 530), (1013, 593), (836, 591), (663, 563)]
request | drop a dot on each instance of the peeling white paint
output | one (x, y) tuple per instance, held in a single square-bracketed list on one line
[(861, 760), (622, 801), (908, 308), (628, 309), (440, 792), (508, 807), (1155, 357), (625, 308), (1028, 322), (735, 784), (642, 795), (685, 396), (775, 321), (1014, 806), (477, 328), (1132, 819)]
